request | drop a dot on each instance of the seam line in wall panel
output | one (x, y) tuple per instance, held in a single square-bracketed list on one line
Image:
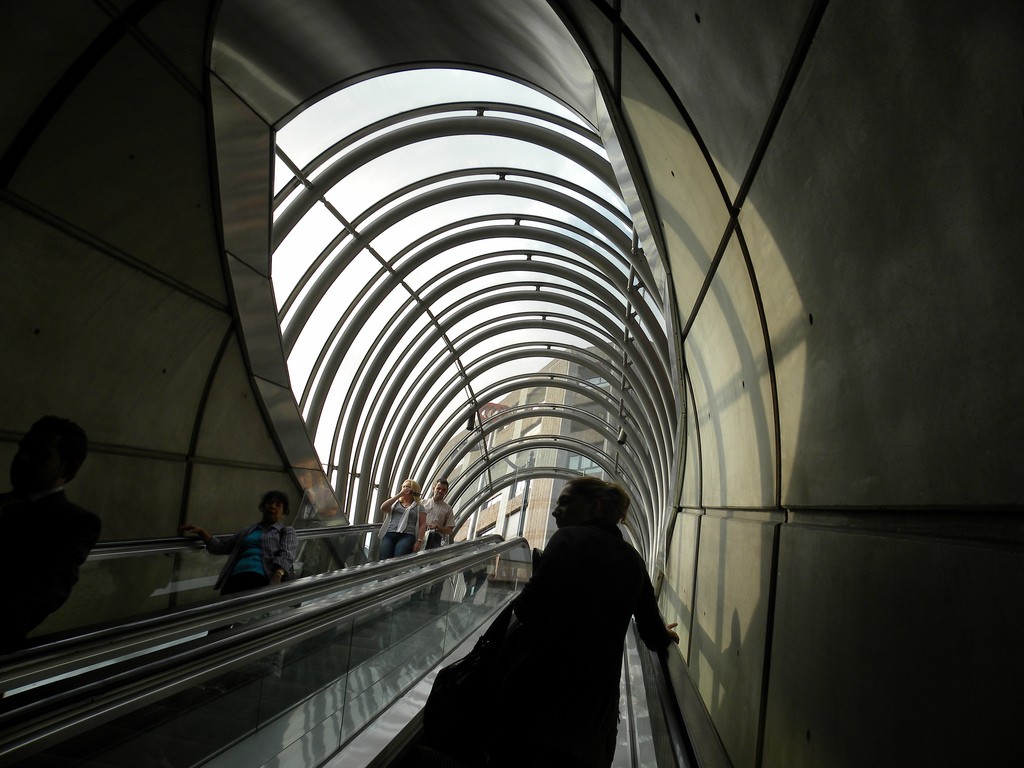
[(769, 631), (699, 469), (782, 98), (73, 76), (710, 276), (617, 53), (663, 81), (133, 452), (693, 598), (186, 490), (101, 246), (796, 63), (769, 362)]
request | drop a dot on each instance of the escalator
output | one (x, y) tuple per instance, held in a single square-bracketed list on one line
[(283, 676), (328, 670)]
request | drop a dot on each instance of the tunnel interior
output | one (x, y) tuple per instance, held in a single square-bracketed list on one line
[(458, 258), (818, 233)]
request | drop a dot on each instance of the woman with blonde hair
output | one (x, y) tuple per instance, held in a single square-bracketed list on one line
[(404, 522)]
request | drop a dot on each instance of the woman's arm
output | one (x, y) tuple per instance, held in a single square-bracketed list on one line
[(385, 508), (654, 632), (284, 556), (215, 545), (421, 529), (198, 530)]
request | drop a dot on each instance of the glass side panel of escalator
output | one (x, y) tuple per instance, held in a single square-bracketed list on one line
[(111, 589), (298, 705)]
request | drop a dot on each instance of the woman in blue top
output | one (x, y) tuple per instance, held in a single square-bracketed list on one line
[(261, 554), (404, 522)]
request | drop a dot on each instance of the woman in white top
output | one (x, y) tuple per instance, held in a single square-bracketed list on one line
[(404, 522)]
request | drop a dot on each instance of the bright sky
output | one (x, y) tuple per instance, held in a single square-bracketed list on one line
[(338, 116)]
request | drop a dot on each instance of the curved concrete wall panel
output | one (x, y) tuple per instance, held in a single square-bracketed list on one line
[(906, 640), (891, 195), (724, 63), (117, 138), (725, 357), (232, 426), (114, 277), (729, 630), (692, 475), (691, 212), (49, 36)]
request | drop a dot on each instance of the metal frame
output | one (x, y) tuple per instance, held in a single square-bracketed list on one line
[(588, 268)]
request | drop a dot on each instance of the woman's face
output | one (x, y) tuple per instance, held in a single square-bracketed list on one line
[(571, 508), (407, 488), (272, 511)]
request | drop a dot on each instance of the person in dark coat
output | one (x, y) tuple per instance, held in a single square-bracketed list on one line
[(562, 658), (47, 536)]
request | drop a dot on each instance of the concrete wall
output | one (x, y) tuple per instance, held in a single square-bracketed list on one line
[(838, 191), (118, 312)]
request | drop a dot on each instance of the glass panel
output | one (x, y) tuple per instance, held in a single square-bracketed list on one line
[(159, 581), (311, 235), (361, 104), (582, 246), (298, 705)]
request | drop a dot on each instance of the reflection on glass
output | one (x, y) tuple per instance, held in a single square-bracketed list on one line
[(299, 704)]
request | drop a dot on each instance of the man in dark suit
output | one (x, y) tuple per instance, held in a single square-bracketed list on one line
[(46, 536)]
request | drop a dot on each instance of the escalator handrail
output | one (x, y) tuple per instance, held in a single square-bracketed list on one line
[(73, 705), (102, 644), (691, 732), (123, 548)]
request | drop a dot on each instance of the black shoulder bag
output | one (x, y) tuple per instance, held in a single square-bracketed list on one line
[(454, 717)]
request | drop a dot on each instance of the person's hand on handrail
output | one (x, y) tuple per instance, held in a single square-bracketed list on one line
[(198, 530), (670, 628)]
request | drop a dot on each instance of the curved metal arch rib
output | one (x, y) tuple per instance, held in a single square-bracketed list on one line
[(597, 260), (497, 172), (598, 295), (445, 436), (495, 359), (407, 135), (640, 496), (303, 308), (382, 430), (377, 429), (572, 414), (537, 442), (546, 138), (429, 462), (636, 524), (417, 114), (631, 413), (589, 294), (369, 467), (389, 281)]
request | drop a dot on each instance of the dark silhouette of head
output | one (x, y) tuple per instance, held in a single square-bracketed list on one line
[(49, 455), (588, 500)]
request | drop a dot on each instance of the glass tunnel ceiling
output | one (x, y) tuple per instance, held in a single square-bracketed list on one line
[(452, 261)]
